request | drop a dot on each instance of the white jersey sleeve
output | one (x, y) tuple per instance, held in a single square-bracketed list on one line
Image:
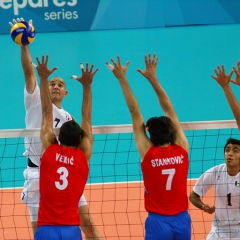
[(204, 183), (33, 99)]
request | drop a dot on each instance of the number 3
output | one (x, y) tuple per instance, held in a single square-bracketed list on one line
[(170, 173), (63, 176)]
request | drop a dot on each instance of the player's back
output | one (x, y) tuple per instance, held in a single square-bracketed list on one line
[(63, 176), (165, 172)]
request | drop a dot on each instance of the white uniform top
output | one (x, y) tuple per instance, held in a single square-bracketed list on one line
[(227, 191), (33, 119)]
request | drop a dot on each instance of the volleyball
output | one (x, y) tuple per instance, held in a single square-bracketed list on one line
[(22, 33)]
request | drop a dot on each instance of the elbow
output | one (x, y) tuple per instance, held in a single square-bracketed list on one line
[(192, 196), (28, 72)]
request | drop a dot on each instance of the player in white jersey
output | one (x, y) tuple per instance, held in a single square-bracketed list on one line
[(225, 179), (57, 88)]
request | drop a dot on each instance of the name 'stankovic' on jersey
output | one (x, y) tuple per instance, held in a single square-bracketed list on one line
[(167, 161)]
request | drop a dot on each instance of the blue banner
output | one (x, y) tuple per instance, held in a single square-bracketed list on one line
[(79, 15)]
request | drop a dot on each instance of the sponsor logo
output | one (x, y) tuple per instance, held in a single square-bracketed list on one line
[(17, 5)]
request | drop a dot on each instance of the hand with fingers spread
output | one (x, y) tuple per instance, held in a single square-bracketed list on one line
[(42, 68), (87, 75), (237, 72), (118, 70), (150, 71), (14, 21), (221, 77)]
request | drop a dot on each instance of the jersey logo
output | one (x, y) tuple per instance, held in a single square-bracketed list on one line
[(23, 195), (218, 178), (68, 118), (237, 184)]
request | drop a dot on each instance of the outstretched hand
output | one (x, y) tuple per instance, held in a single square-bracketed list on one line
[(221, 77), (151, 63), (42, 68), (118, 70), (14, 21), (237, 72), (87, 75)]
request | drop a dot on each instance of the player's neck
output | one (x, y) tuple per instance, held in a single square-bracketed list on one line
[(67, 146), (164, 145), (233, 171), (57, 104)]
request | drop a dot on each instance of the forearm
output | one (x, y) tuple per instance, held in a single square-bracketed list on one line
[(233, 103), (163, 98), (45, 97), (128, 95), (87, 111), (29, 75), (26, 59), (196, 201)]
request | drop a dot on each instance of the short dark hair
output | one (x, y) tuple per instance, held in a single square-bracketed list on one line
[(232, 141), (160, 130), (70, 134)]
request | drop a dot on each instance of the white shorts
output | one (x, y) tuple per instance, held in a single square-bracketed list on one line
[(224, 233), (30, 193)]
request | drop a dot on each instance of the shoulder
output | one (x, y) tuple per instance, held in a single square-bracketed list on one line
[(212, 172), (61, 112), (217, 168), (179, 148)]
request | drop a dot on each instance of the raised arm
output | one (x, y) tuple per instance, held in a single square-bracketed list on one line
[(223, 80), (150, 73), (142, 141), (28, 70), (46, 133), (86, 124), (26, 61)]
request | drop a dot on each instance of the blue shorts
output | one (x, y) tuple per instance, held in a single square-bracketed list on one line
[(58, 233), (177, 227)]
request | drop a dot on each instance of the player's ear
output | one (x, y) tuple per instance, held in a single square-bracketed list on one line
[(66, 92)]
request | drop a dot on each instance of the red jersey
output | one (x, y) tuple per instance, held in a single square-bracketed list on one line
[(165, 172), (63, 176)]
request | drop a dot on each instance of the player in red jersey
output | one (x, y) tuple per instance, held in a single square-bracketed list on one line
[(64, 166), (164, 159), (33, 148)]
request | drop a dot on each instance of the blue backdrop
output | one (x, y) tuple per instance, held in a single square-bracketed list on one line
[(68, 15), (188, 55)]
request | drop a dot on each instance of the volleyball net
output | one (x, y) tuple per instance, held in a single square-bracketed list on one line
[(115, 189)]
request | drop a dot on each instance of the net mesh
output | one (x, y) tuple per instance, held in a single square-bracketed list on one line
[(115, 189)]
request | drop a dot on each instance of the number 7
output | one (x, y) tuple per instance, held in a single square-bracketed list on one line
[(170, 173)]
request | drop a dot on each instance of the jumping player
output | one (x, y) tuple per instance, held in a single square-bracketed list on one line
[(225, 179), (64, 166), (32, 101), (164, 159)]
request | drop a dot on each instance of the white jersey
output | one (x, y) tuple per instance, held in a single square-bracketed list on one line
[(33, 119), (227, 191)]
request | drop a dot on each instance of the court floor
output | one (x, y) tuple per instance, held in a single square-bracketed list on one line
[(117, 209)]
